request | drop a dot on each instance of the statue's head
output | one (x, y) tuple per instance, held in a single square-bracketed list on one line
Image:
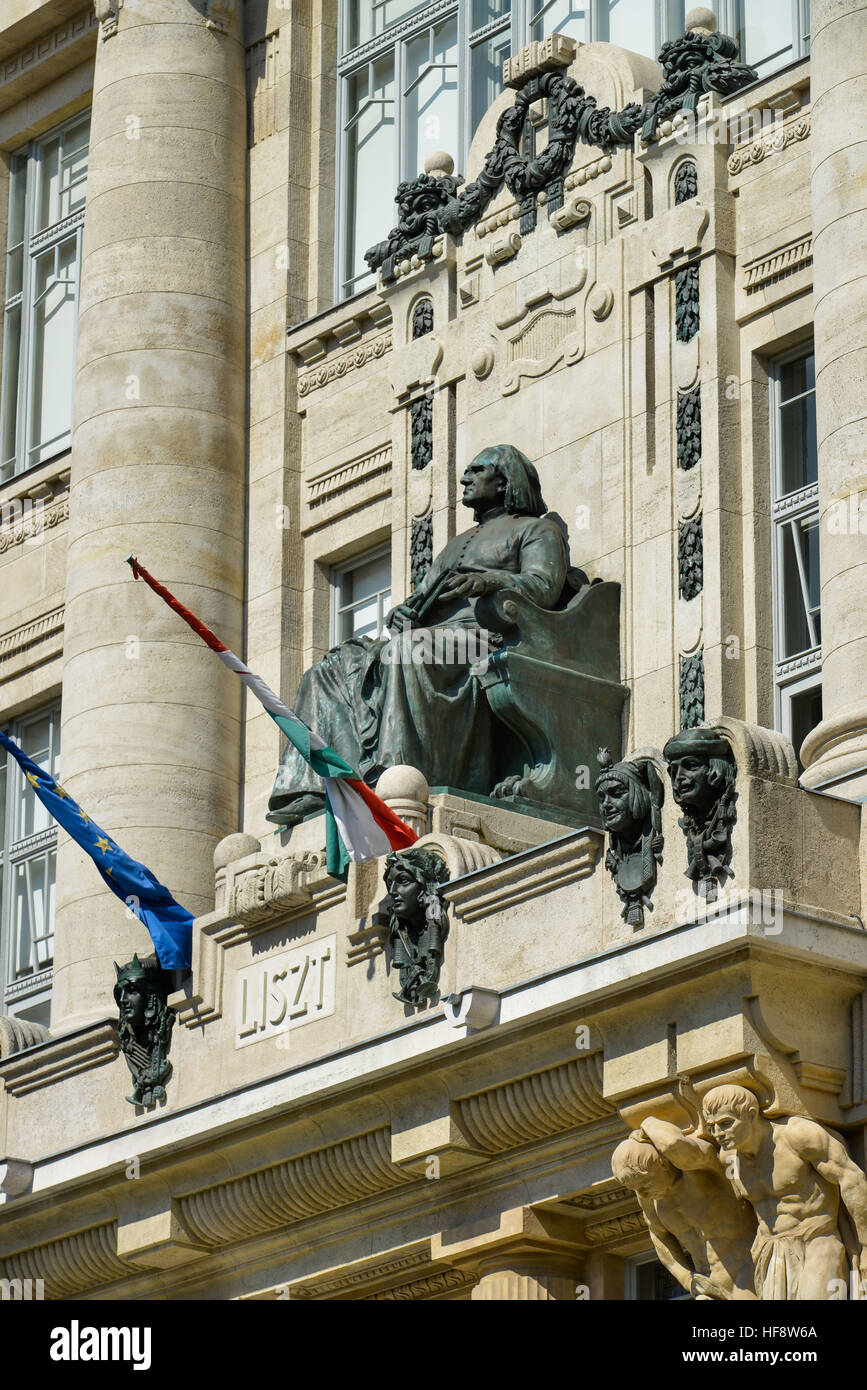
[(502, 476), (702, 769), (627, 793), (636, 1164), (139, 992), (732, 1115), (413, 878)]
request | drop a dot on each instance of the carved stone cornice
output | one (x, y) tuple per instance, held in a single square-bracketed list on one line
[(31, 521), (793, 130), (535, 1106), (353, 1280), (615, 1228), (778, 264), (442, 1284), (524, 876), (20, 641), (316, 1182), (349, 362), (47, 1061), (57, 47), (71, 1264)]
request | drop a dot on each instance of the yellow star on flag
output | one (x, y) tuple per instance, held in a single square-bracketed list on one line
[(85, 817), (103, 844), (61, 791), (34, 781)]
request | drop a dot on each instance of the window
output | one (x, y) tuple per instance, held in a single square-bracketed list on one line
[(361, 596), (28, 840), (647, 1280), (47, 185), (795, 521), (419, 78), (771, 33)]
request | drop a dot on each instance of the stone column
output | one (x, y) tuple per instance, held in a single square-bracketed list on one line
[(536, 1280), (835, 753), (151, 721)]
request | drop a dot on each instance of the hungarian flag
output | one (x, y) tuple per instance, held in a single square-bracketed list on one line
[(169, 924), (358, 824)]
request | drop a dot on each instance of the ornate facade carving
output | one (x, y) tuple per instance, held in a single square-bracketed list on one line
[(703, 771), (692, 690), (444, 1283), (349, 362), (630, 796), (422, 318), (71, 1264), (690, 558), (418, 921), (536, 1106), (107, 12), (421, 430), (767, 270), (421, 549), (797, 129), (685, 181), (693, 64), (688, 428), (686, 307), (144, 1028), (323, 486)]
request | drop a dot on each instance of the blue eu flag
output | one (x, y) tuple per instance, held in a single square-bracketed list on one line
[(170, 925)]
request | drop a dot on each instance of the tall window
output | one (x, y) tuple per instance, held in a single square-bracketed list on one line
[(648, 1281), (771, 33), (795, 521), (419, 78), (47, 188), (28, 837), (361, 595)]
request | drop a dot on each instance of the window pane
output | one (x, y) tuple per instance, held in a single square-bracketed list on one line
[(484, 11), (629, 23), (370, 158), (2, 804), (766, 34), (797, 377), (17, 190), (73, 168), (653, 1283), (805, 534), (53, 349), (35, 739), (33, 891), (806, 713), (9, 387), (487, 74), (559, 17), (676, 16), (431, 96), (365, 580), (799, 461), (370, 17)]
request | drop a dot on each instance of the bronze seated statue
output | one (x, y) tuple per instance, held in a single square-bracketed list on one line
[(500, 678)]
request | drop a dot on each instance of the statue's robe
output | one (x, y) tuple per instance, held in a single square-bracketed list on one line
[(377, 707)]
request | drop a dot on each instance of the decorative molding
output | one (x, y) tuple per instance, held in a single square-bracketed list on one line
[(792, 131), (542, 55), (47, 46), (431, 1286), (360, 1278), (387, 40), (615, 1228), (347, 363), (71, 1264), (536, 1106), (267, 891), (323, 486), (421, 431), (422, 317), (690, 558), (107, 12), (34, 521), (293, 1190), (692, 690), (16, 1034), (503, 249), (686, 305), (421, 550), (46, 1063), (798, 665), (30, 634), (689, 427), (494, 887), (219, 15), (597, 1201), (262, 62), (541, 345), (685, 181), (787, 260)]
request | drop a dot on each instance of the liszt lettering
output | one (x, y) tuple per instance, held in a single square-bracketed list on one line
[(285, 991)]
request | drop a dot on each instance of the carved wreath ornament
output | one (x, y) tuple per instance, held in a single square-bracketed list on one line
[(693, 64)]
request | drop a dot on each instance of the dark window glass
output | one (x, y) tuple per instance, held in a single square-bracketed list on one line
[(806, 714)]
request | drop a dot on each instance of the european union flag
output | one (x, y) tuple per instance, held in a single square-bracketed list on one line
[(170, 925)]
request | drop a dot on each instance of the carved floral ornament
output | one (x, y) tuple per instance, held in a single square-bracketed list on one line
[(429, 205)]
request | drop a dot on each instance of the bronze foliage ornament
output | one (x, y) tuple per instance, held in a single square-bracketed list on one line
[(145, 1024), (630, 796), (418, 921), (428, 205), (702, 769)]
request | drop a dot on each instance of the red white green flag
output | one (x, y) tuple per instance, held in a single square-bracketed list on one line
[(358, 824)]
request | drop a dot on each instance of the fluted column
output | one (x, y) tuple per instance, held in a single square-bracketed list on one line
[(151, 733), (527, 1255), (836, 752), (538, 1279)]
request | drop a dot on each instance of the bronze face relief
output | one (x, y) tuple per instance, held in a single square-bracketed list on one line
[(630, 796), (703, 771), (145, 1024), (418, 921)]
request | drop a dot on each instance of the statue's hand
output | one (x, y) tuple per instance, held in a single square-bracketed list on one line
[(400, 617), (470, 585)]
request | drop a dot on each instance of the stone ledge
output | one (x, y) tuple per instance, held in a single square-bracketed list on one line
[(525, 875), (54, 1060)]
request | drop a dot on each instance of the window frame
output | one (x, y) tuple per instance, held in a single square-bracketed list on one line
[(22, 994), (631, 1265), (337, 574), (33, 246), (802, 671)]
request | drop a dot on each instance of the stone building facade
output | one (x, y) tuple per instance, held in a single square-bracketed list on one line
[(672, 330)]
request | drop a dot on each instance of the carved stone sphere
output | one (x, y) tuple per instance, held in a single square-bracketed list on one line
[(235, 847), (439, 163), (403, 783), (701, 20)]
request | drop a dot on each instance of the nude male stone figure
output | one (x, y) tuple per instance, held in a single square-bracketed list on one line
[(794, 1174), (701, 1231)]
